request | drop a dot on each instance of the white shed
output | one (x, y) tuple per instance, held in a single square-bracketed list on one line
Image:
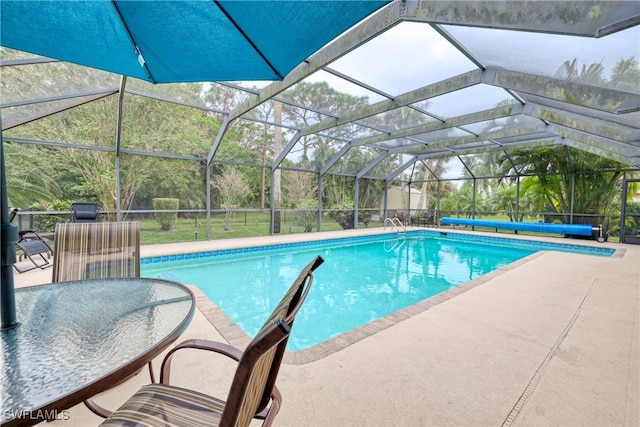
[(398, 199)]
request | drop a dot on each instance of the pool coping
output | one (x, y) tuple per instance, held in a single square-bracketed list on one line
[(236, 337)]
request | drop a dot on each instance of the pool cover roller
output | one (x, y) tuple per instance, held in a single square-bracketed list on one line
[(539, 227)]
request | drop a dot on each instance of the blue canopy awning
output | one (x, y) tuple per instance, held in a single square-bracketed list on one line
[(164, 41)]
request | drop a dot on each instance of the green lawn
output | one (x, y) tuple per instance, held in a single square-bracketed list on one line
[(243, 224)]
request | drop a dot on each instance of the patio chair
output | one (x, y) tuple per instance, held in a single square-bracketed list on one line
[(85, 212), (404, 218), (96, 250), (32, 244), (430, 217), (252, 393)]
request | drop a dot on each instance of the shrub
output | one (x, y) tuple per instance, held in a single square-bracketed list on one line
[(343, 214), (307, 216), (632, 225), (47, 223), (166, 219)]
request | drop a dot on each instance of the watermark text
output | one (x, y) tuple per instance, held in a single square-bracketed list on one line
[(40, 415)]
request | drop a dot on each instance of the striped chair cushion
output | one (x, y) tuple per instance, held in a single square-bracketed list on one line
[(96, 250), (166, 405)]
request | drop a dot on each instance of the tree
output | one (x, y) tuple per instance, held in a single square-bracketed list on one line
[(259, 139), (430, 169), (307, 214), (166, 219), (590, 74), (148, 126), (632, 221), (232, 188), (28, 178), (626, 75), (236, 149), (276, 186), (301, 190), (341, 182), (532, 195), (505, 199), (460, 201), (343, 214), (559, 169), (299, 186), (326, 102)]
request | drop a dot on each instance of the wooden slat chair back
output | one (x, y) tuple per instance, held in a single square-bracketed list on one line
[(252, 394), (96, 250)]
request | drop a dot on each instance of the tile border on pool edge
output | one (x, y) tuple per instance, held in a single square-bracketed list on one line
[(264, 248), (541, 245), (236, 337)]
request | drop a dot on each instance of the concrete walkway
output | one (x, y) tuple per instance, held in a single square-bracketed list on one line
[(551, 342)]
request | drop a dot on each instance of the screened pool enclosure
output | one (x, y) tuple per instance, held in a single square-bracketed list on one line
[(518, 110)]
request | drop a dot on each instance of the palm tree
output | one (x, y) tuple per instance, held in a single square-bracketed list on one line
[(430, 169), (626, 75), (28, 181), (595, 179), (505, 199), (460, 200), (591, 74)]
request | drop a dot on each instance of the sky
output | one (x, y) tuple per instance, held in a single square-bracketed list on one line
[(411, 55)]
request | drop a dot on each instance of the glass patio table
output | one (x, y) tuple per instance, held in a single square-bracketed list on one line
[(77, 339)]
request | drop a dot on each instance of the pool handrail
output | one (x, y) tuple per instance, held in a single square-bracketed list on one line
[(395, 223)]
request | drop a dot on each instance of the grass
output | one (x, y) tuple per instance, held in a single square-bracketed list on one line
[(243, 224)]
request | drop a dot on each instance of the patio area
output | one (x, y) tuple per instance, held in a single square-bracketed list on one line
[(552, 340)]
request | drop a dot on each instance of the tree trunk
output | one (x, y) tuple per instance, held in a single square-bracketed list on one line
[(227, 220), (262, 176), (277, 174), (424, 193)]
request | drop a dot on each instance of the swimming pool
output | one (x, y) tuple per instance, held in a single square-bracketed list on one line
[(363, 278)]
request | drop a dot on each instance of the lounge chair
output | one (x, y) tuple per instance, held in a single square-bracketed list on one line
[(252, 393), (96, 250), (32, 244), (85, 212)]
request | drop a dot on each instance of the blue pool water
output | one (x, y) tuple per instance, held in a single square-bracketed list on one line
[(361, 280)]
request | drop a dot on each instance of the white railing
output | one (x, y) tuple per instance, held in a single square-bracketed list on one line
[(395, 224)]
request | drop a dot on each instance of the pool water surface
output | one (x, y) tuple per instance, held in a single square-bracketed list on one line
[(360, 281)]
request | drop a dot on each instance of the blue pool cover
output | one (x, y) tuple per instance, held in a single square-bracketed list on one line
[(539, 227)]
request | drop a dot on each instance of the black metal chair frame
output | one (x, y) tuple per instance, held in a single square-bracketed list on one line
[(32, 244), (32, 247)]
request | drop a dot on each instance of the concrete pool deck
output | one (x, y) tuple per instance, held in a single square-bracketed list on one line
[(552, 340)]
